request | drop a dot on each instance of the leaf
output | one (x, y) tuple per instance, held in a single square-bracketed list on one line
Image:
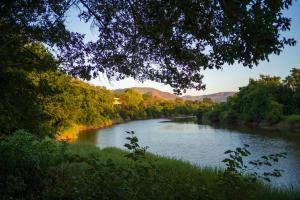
[(128, 146), (265, 157), (228, 151), (226, 160)]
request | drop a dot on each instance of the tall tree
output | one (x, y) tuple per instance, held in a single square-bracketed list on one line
[(165, 41), (293, 80)]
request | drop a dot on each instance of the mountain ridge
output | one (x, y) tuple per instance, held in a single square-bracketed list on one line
[(216, 97)]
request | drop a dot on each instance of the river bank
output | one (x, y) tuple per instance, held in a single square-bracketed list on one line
[(71, 133), (287, 123), (291, 123)]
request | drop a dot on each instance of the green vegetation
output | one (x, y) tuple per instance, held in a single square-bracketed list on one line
[(51, 102), (47, 169), (138, 106), (48, 101), (265, 102)]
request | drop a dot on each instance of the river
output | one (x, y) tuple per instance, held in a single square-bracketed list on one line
[(204, 145)]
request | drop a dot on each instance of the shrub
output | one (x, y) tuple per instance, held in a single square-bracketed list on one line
[(274, 113), (212, 116), (229, 117), (200, 114), (27, 165), (293, 121)]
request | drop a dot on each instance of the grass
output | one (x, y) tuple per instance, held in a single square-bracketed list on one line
[(182, 174), (171, 167)]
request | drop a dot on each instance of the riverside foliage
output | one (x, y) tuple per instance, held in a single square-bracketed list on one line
[(51, 101), (267, 101), (46, 101)]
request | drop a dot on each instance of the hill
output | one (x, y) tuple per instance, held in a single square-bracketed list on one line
[(216, 97), (152, 91)]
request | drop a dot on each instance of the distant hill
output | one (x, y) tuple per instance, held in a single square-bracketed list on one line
[(216, 97), (153, 92)]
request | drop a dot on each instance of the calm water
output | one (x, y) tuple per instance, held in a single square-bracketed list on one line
[(203, 145)]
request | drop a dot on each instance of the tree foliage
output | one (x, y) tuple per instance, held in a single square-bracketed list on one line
[(19, 107), (166, 41), (266, 100)]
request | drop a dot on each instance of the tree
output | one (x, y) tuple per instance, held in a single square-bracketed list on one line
[(265, 100), (19, 96), (131, 104), (166, 41), (293, 80), (19, 108)]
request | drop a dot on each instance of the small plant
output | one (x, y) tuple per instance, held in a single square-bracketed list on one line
[(239, 175), (137, 152), (235, 163), (144, 170)]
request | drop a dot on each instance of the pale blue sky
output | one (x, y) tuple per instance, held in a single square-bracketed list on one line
[(230, 78)]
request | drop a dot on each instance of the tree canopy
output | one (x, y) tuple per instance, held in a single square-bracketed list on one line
[(166, 41), (265, 101)]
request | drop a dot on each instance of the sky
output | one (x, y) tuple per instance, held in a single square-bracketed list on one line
[(230, 78)]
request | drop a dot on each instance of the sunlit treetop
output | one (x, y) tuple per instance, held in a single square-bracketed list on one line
[(166, 41), (293, 80)]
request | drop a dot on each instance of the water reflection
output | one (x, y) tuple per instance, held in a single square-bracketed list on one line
[(204, 145), (89, 136)]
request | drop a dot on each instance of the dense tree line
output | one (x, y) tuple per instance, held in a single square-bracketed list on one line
[(139, 106), (266, 101), (45, 101), (49, 102)]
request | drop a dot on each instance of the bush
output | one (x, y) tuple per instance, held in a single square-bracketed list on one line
[(229, 117), (27, 165), (274, 113), (293, 121), (200, 114), (212, 116)]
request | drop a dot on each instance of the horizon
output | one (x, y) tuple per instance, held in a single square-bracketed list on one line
[(230, 78)]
